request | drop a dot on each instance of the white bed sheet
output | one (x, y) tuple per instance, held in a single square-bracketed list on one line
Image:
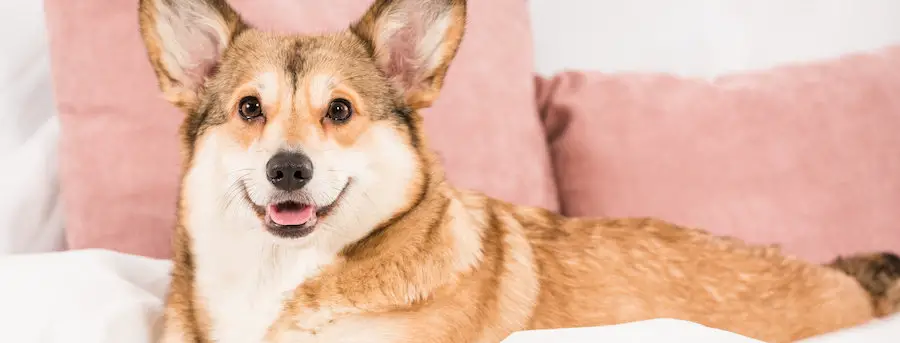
[(97, 296)]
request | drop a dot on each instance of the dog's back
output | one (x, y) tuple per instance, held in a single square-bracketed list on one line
[(597, 272)]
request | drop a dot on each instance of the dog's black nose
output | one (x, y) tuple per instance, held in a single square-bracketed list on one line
[(289, 171)]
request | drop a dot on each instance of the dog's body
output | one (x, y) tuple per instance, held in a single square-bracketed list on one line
[(312, 210)]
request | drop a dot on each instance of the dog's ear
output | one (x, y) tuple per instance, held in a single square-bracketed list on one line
[(413, 43), (184, 40)]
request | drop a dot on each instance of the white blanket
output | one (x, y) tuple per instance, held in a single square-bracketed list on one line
[(30, 210), (96, 296), (90, 296)]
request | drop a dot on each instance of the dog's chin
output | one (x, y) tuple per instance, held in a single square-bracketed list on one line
[(290, 217)]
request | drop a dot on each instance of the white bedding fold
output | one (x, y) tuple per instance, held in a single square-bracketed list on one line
[(90, 296)]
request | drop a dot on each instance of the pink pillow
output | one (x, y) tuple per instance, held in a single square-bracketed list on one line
[(119, 144), (805, 156)]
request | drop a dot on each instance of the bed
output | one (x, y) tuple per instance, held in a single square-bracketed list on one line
[(101, 296)]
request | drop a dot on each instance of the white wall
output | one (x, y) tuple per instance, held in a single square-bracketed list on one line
[(705, 38)]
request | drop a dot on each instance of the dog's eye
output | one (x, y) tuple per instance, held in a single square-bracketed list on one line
[(250, 108), (339, 110)]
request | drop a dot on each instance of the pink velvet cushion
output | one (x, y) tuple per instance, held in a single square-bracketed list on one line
[(807, 156), (119, 150)]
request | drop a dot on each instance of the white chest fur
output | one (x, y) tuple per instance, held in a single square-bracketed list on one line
[(243, 279)]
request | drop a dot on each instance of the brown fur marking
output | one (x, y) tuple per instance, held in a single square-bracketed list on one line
[(879, 274)]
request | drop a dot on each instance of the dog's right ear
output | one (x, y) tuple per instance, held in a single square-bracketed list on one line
[(413, 43), (185, 40)]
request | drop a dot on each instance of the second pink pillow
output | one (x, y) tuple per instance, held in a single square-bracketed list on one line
[(804, 156)]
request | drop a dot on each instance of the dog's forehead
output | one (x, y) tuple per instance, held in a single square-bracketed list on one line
[(301, 57)]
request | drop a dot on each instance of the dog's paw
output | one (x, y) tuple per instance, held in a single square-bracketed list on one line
[(314, 321)]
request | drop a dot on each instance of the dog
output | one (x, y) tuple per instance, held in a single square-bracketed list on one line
[(312, 210)]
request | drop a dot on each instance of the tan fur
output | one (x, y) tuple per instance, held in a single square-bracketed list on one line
[(624, 270), (444, 265)]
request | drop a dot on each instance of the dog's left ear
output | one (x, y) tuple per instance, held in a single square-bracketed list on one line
[(413, 43)]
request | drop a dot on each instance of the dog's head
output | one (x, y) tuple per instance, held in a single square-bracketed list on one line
[(313, 137)]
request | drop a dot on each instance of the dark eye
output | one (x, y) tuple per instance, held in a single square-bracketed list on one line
[(250, 108), (339, 110)]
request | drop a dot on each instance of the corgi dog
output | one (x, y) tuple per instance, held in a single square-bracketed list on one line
[(311, 208)]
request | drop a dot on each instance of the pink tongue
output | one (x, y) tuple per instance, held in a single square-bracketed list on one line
[(294, 215)]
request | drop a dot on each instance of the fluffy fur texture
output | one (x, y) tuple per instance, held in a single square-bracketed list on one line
[(400, 255)]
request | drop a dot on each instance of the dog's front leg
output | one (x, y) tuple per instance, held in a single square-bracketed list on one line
[(179, 324), (174, 329), (304, 324), (315, 308)]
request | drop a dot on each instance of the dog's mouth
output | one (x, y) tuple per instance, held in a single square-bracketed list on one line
[(293, 218), (290, 213)]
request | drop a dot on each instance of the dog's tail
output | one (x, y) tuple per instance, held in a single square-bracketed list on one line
[(879, 275)]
